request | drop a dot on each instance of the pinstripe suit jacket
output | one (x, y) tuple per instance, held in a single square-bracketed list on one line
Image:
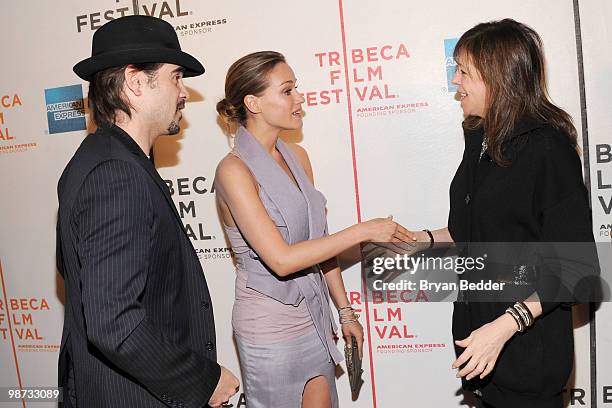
[(138, 320)]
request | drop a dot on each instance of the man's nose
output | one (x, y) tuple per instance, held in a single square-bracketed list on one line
[(184, 92)]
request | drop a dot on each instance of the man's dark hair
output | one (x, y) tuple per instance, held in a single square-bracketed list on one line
[(106, 95)]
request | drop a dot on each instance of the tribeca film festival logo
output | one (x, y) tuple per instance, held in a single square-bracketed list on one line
[(7, 102), (450, 63), (183, 189), (388, 321), (579, 397), (19, 320), (165, 10), (603, 160), (376, 96), (9, 142), (65, 109), (392, 330)]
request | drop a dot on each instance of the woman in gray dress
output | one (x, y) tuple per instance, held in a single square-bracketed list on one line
[(285, 259)]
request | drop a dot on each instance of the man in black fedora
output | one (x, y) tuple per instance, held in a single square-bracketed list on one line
[(138, 320)]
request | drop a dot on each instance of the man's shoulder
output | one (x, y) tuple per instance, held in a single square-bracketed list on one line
[(97, 148), (102, 145)]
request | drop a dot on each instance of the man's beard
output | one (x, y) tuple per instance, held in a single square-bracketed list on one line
[(173, 127)]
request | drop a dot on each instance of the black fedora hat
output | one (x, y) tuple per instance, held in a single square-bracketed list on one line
[(136, 40)]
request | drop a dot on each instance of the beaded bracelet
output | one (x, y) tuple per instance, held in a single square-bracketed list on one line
[(525, 313), (517, 319), (347, 315)]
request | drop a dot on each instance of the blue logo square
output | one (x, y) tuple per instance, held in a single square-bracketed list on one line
[(65, 109), (451, 65)]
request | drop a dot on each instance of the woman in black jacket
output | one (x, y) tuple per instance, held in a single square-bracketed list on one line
[(520, 180)]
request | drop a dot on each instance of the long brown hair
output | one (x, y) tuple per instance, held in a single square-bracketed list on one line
[(246, 76), (509, 58)]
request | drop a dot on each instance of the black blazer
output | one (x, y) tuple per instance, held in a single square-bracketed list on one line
[(540, 197), (138, 320)]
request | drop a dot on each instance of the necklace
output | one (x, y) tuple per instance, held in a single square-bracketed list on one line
[(483, 149)]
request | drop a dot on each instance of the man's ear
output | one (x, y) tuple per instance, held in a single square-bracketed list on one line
[(134, 80), (252, 103)]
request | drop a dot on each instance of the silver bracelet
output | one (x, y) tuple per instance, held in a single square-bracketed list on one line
[(347, 314), (517, 319), (525, 315)]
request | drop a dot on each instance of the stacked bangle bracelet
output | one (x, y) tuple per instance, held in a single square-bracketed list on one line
[(524, 312), (347, 315), (521, 315)]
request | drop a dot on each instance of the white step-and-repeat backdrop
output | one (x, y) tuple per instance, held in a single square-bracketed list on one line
[(382, 129)]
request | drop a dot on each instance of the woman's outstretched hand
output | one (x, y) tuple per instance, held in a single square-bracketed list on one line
[(386, 230)]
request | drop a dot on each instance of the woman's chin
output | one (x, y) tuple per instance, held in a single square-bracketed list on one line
[(296, 124)]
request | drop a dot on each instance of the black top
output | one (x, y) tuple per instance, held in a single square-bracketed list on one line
[(525, 201), (539, 197)]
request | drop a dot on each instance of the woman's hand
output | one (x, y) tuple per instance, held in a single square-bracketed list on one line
[(354, 329), (386, 230), (482, 347)]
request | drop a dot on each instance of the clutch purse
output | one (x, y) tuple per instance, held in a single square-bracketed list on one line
[(353, 365)]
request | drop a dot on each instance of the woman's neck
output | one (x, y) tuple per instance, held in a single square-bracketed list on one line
[(266, 135)]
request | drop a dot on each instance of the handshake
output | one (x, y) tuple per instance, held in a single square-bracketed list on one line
[(392, 239), (385, 230)]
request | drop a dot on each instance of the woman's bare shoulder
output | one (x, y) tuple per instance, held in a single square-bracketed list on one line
[(231, 169)]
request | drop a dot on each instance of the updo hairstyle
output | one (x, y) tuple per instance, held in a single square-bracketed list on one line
[(247, 76)]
